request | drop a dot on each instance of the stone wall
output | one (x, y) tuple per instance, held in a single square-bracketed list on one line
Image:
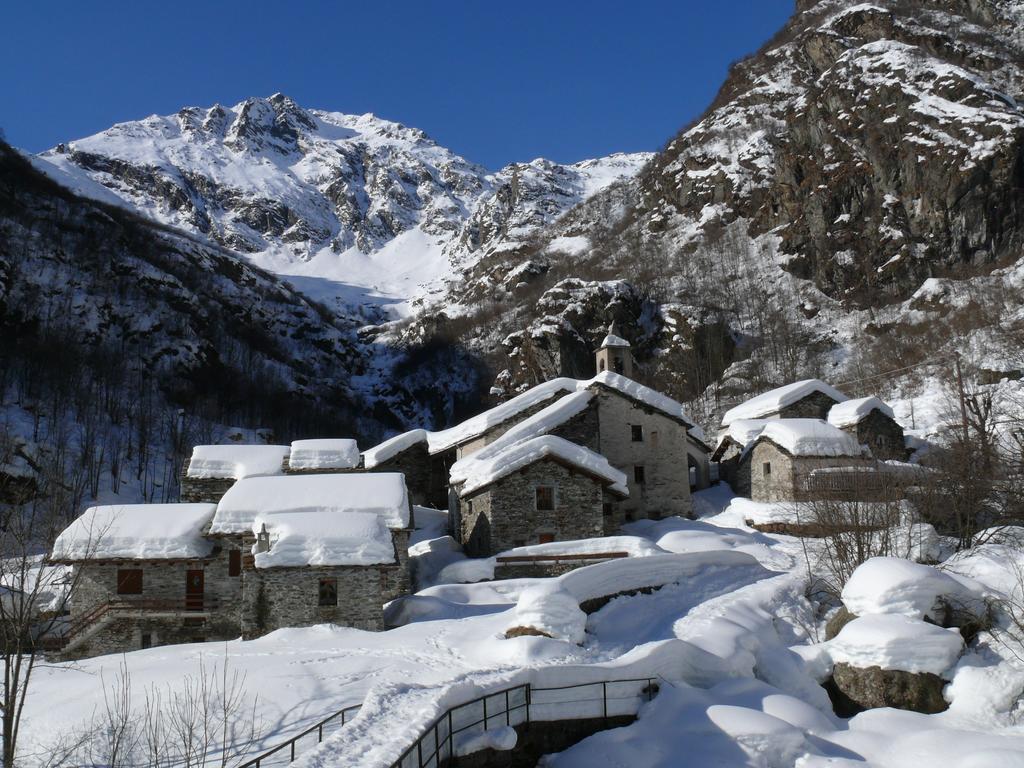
[(882, 435), (504, 515), (273, 598), (415, 464), (163, 581), (195, 490), (787, 479), (662, 453), (472, 446), (815, 406)]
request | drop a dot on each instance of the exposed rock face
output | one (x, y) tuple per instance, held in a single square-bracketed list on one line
[(859, 689), (864, 149)]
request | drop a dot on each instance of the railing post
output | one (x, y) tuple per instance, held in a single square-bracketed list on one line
[(419, 752), (529, 700), (485, 712), (604, 700), (292, 760), (508, 715), (320, 733), (451, 738)]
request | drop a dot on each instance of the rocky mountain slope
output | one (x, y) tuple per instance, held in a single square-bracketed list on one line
[(353, 208), (850, 179)]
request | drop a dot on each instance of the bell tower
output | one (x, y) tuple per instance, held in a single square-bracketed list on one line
[(614, 354)]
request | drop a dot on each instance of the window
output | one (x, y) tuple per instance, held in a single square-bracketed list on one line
[(638, 433), (545, 538), (601, 365), (766, 470), (147, 640), (129, 581), (545, 497), (607, 509), (639, 475), (328, 594), (620, 366), (234, 562)]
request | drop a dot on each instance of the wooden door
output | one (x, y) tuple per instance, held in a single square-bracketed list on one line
[(194, 587)]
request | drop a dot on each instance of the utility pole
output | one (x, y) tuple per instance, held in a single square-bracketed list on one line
[(963, 397)]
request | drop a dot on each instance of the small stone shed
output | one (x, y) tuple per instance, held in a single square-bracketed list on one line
[(778, 464), (807, 399), (534, 491), (871, 422), (319, 548), (213, 469), (145, 575)]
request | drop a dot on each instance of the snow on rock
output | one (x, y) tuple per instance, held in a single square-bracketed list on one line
[(572, 246), (478, 474), (324, 454), (137, 532), (551, 611), (850, 412), (896, 642), (768, 403), (393, 446), (382, 494), (299, 539), (236, 461), (892, 585), (810, 437)]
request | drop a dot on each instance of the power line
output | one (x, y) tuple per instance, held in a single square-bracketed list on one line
[(931, 361)]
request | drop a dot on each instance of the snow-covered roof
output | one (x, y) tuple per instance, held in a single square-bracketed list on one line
[(324, 537), (379, 493), (774, 400), (649, 397), (393, 446), (539, 424), (236, 461), (482, 422), (324, 454), (851, 412), (809, 437), (477, 474), (137, 532), (611, 340), (743, 431)]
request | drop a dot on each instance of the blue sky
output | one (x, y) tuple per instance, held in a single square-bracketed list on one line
[(494, 81)]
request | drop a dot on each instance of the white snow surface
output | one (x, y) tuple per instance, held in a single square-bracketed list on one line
[(339, 453), (236, 461), (743, 431), (896, 642), (137, 532), (478, 474), (393, 446), (892, 585), (611, 340), (324, 537), (770, 402), (379, 493), (810, 437), (850, 412)]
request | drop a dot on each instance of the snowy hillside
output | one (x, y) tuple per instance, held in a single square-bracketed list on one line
[(352, 207)]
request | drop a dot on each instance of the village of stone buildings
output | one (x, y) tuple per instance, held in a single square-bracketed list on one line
[(272, 536)]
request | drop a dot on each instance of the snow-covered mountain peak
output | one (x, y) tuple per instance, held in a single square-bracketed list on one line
[(352, 207)]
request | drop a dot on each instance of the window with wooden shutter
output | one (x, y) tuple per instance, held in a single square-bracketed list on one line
[(637, 433), (235, 562), (639, 474), (129, 581), (545, 497), (328, 594)]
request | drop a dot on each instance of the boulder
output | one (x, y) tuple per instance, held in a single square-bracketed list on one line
[(854, 689)]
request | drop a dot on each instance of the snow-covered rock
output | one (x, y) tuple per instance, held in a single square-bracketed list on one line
[(896, 642), (892, 585)]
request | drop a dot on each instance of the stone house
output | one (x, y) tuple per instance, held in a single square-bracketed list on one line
[(870, 421), (213, 469), (807, 399), (732, 442), (778, 465), (145, 575), (534, 491), (317, 548), (276, 551)]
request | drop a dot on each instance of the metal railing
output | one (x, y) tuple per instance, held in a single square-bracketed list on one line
[(286, 752), (81, 624), (519, 704)]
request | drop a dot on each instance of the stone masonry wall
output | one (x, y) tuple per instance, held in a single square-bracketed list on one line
[(788, 476), (415, 464), (662, 453), (507, 510), (488, 437), (289, 597), (882, 435), (195, 490), (815, 406)]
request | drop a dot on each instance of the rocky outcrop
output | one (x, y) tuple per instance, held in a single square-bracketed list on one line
[(854, 689)]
